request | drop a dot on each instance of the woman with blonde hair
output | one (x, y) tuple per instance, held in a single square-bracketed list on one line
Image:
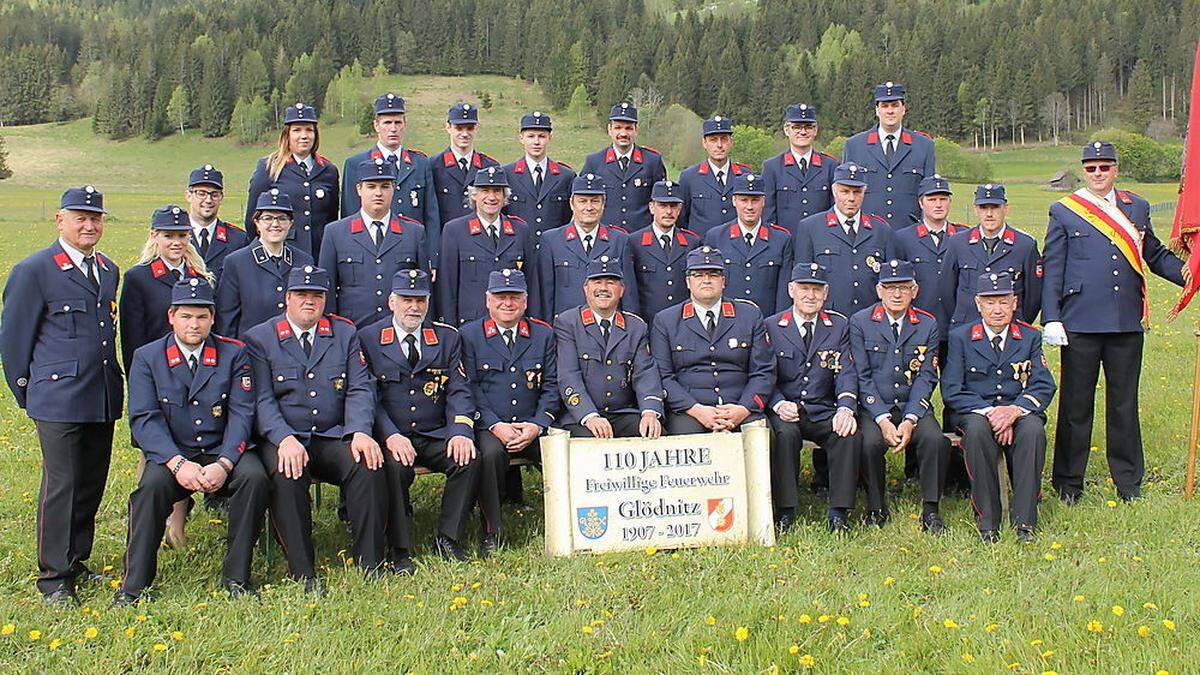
[(309, 180), (167, 257)]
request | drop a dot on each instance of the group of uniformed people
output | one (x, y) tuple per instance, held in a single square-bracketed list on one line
[(459, 309)]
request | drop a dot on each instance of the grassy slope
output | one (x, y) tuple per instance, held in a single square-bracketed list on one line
[(908, 602)]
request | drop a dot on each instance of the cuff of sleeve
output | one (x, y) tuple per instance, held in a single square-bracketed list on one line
[(880, 418), (585, 418)]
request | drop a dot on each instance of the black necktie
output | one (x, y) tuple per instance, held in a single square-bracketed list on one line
[(624, 162), (89, 270), (889, 146), (749, 240), (936, 237), (410, 342), (462, 165), (896, 331), (803, 165), (537, 177), (996, 343), (377, 232), (191, 361), (808, 334), (304, 167), (306, 343), (587, 243), (494, 235), (204, 241), (711, 325), (275, 259), (850, 228), (509, 338), (176, 275), (989, 244), (721, 178), (605, 328), (666, 242)]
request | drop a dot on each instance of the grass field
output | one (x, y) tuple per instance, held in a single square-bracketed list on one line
[(1108, 587)]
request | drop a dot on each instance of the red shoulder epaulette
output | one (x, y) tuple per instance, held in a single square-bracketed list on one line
[(827, 155), (618, 228), (340, 318), (321, 159), (924, 133), (485, 157), (417, 152), (1028, 325), (539, 322), (1126, 196), (654, 150), (918, 310), (560, 163), (687, 231), (231, 226), (517, 219), (230, 340), (410, 219), (780, 228)]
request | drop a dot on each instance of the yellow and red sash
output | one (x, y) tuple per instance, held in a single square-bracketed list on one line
[(1113, 224)]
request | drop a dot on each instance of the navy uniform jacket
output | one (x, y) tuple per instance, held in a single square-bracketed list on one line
[(736, 365), (821, 378), (1015, 253), (172, 412), (511, 386), (1085, 271), (627, 193), (145, 299), (314, 196), (707, 203), (360, 276), (432, 399), (562, 268), (415, 196), (253, 288), (661, 275), (892, 186), (226, 238), (793, 196), (974, 376), (58, 339), (760, 273), (595, 376), (329, 394), (914, 244), (550, 206), (469, 256), (853, 265), (450, 185), (891, 375)]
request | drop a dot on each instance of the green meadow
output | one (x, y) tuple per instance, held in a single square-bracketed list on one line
[(1108, 586)]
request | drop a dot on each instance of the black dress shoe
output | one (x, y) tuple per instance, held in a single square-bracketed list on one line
[(403, 566), (784, 521), (519, 506), (489, 545), (1130, 496), (989, 536), (1069, 498), (932, 523), (838, 525), (878, 518), (313, 586), (1025, 535), (123, 599), (448, 548), (63, 597), (821, 491), (85, 574), (237, 589)]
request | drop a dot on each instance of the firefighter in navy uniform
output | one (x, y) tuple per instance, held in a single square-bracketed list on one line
[(660, 250), (627, 171), (425, 416), (798, 180), (191, 409), (707, 187), (314, 413), (58, 344), (478, 244), (255, 277), (212, 237), (364, 250), (815, 397), (895, 353), (540, 188), (995, 378), (758, 254), (454, 169), (297, 170), (414, 196), (607, 380), (716, 366)]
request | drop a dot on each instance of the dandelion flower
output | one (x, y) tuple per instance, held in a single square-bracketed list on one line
[(807, 661), (710, 620), (35, 635), (794, 650), (1095, 626), (1143, 631), (91, 632), (160, 647), (935, 569), (741, 633), (8, 629), (1118, 610), (1168, 624), (950, 623)]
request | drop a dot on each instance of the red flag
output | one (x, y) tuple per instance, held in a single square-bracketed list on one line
[(1185, 233)]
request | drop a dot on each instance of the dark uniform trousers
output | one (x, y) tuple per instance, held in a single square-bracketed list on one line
[(458, 495), (624, 425), (842, 453), (329, 461), (248, 491), (494, 458), (1121, 356), (1026, 459), (932, 451), (75, 459)]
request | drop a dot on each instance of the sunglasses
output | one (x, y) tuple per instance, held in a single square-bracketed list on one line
[(1102, 168)]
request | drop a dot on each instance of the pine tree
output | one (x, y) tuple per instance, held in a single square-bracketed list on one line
[(216, 104), (578, 108), (1141, 103), (250, 120), (5, 172)]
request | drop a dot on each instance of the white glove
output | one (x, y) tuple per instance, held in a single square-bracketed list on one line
[(1054, 334)]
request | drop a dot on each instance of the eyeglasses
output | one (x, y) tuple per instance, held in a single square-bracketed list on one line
[(206, 194), (1102, 168), (897, 288), (267, 220)]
